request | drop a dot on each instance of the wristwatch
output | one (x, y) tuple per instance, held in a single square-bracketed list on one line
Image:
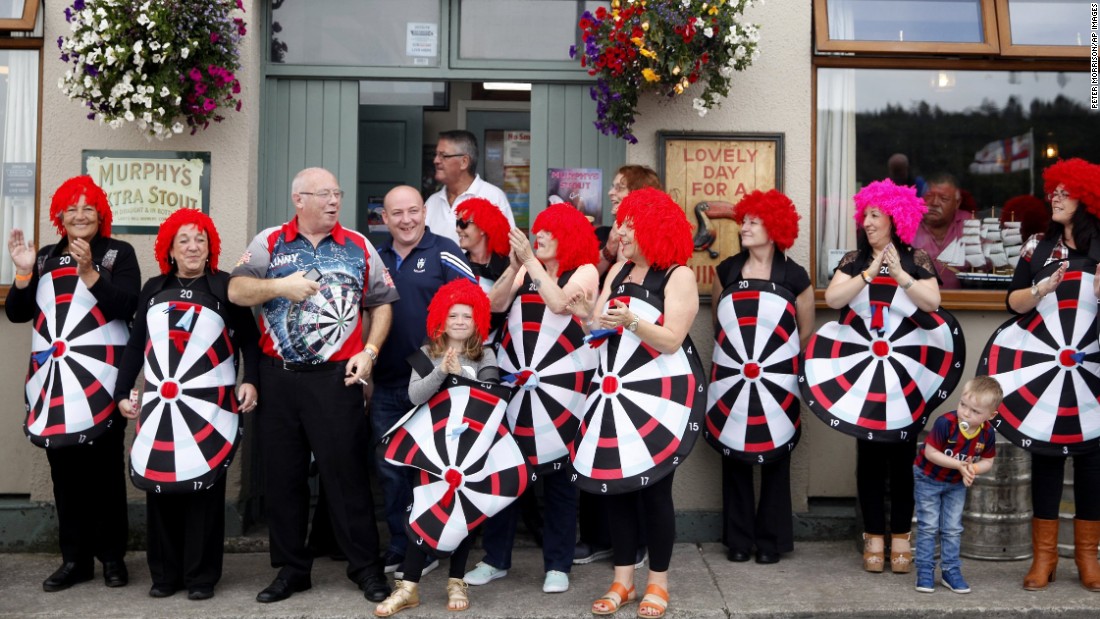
[(633, 326), (1035, 290)]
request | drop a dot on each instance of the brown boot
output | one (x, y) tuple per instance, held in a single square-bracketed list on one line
[(1044, 562), (1086, 537)]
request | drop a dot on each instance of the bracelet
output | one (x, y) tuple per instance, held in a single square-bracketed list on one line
[(372, 350), (24, 278), (907, 285), (866, 277)]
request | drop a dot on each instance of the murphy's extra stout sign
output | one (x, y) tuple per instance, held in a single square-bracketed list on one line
[(145, 187)]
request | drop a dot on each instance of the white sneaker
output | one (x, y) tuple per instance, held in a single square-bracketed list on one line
[(424, 572), (483, 574), (556, 582)]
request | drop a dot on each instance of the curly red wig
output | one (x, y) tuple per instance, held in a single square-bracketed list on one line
[(661, 229), (492, 222), (458, 292), (1031, 212), (775, 211), (172, 224), (577, 244), (68, 194), (1080, 178)]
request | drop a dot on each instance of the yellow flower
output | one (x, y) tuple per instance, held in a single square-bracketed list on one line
[(679, 88), (675, 70), (647, 53), (639, 41), (713, 10), (650, 75), (645, 26)]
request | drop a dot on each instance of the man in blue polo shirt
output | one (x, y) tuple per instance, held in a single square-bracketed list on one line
[(419, 262)]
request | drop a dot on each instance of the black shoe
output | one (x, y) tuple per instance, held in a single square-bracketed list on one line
[(162, 591), (766, 557), (587, 553), (738, 556), (392, 562), (115, 574), (280, 589), (375, 588), (200, 593), (66, 576)]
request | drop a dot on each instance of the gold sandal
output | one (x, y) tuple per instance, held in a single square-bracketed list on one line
[(873, 560), (405, 595), (901, 561), (608, 605), (457, 599)]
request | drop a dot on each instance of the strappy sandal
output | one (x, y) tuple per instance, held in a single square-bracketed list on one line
[(873, 560), (608, 605), (901, 561), (655, 600), (457, 599), (405, 595)]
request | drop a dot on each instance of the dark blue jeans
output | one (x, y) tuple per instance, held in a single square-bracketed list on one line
[(559, 534), (387, 406)]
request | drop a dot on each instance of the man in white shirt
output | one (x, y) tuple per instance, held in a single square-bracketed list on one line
[(455, 162)]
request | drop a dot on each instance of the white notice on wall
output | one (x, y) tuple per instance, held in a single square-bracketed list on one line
[(421, 39)]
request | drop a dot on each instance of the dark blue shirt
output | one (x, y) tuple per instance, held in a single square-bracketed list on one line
[(432, 263)]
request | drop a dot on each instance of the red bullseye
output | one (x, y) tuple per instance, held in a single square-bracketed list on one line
[(751, 370), (169, 390), (1066, 358), (610, 384), (58, 349), (880, 348)]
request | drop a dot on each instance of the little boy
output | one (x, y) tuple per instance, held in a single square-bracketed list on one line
[(960, 447)]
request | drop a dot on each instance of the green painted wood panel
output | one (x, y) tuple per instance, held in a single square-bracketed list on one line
[(307, 123)]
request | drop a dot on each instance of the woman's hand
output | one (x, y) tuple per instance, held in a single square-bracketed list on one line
[(81, 252), (126, 407), (580, 305), (1050, 284), (248, 397), (618, 314), (22, 252), (521, 247)]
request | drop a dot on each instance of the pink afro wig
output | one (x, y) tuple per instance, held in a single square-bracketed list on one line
[(172, 225), (492, 222), (577, 244), (900, 202), (777, 213), (1081, 180), (68, 194), (661, 229), (458, 292), (1031, 212)]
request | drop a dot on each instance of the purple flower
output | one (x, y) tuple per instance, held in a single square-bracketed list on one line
[(572, 51), (195, 74), (60, 40), (78, 5), (68, 15), (91, 70), (91, 115), (213, 37), (208, 105), (64, 58)]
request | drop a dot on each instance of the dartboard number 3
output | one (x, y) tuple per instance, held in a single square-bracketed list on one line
[(603, 487)]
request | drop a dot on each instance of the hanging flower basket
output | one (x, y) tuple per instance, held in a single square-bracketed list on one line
[(164, 65), (664, 46)]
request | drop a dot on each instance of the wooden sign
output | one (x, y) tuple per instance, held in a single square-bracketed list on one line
[(145, 187)]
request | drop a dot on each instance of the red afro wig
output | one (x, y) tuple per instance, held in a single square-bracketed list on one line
[(899, 202), (661, 229), (777, 213), (492, 222), (1081, 180), (1031, 212), (458, 292), (172, 225), (577, 244), (68, 194)]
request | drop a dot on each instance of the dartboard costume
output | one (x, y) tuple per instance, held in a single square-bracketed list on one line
[(306, 407), (487, 275), (1047, 361), (189, 340), (78, 337), (753, 406)]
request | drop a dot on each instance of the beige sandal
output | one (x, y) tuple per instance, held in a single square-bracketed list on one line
[(874, 559), (901, 561), (405, 595), (457, 600), (654, 603)]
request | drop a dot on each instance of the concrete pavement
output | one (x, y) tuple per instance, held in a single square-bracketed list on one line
[(819, 579)]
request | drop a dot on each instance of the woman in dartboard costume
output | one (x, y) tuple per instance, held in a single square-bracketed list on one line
[(80, 293), (1050, 381), (190, 340), (887, 217), (763, 308), (647, 399)]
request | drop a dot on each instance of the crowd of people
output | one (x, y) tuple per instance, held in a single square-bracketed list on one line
[(588, 331)]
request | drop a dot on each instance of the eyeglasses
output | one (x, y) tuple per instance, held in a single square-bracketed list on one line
[(619, 187), (463, 223), (324, 195), (449, 155), (1059, 195)]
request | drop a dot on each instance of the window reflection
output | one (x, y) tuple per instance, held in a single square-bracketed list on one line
[(988, 133), (950, 21), (529, 30), (1049, 22)]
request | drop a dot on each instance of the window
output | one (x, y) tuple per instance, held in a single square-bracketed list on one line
[(540, 30), (948, 87), (19, 93)]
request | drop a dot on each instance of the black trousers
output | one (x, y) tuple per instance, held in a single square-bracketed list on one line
[(313, 412), (659, 524), (593, 526), (769, 525), (877, 464), (416, 559), (186, 536), (1047, 475), (89, 490)]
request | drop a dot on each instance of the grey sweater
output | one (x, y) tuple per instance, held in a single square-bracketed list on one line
[(422, 388)]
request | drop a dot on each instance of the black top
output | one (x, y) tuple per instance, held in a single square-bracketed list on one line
[(239, 321), (1024, 276), (915, 262), (785, 272), (115, 293)]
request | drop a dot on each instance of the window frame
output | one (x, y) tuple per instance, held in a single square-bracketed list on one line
[(990, 35), (24, 23), (1010, 49)]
